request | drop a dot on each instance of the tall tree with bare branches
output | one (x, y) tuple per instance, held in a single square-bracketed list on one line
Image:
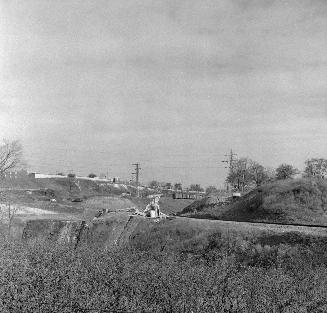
[(11, 153)]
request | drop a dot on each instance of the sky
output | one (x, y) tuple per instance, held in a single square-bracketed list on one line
[(95, 86)]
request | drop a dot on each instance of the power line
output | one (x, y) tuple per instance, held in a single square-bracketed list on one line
[(230, 161), (137, 173)]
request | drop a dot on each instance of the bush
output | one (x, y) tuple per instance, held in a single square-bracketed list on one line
[(226, 274)]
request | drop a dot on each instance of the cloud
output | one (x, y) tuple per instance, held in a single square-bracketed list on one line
[(165, 73)]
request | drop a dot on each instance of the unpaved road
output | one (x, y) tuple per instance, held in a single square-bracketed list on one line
[(249, 227)]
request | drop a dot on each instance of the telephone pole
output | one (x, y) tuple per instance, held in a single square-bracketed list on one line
[(137, 175), (230, 159), (230, 162), (244, 167)]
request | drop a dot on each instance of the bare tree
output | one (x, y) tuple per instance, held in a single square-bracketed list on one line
[(11, 153), (246, 172), (8, 211)]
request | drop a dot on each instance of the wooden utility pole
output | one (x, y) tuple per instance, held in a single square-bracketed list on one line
[(230, 159), (244, 167), (230, 162), (137, 176)]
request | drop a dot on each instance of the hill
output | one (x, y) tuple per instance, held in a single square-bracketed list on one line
[(133, 264), (66, 187), (302, 201), (69, 261)]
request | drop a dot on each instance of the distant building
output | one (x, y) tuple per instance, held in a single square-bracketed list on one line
[(39, 175)]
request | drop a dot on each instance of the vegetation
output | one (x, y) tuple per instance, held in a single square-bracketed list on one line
[(154, 184), (196, 187), (11, 153), (171, 267), (220, 274), (301, 201), (286, 171), (178, 186), (92, 175), (211, 189), (8, 210), (316, 167), (168, 185), (245, 173)]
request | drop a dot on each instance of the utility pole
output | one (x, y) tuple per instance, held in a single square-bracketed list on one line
[(244, 167), (230, 159), (230, 162), (137, 175)]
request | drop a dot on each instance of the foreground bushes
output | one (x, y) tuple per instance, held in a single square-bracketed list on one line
[(225, 275)]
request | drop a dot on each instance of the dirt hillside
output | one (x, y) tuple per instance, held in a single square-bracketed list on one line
[(120, 230)]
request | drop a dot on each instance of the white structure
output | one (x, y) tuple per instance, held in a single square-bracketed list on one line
[(39, 175)]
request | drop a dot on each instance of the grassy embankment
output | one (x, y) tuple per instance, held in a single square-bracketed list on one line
[(302, 201)]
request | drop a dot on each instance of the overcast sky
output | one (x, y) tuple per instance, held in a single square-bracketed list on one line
[(93, 86)]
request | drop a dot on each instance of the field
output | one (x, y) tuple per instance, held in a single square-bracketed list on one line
[(69, 261), (181, 265)]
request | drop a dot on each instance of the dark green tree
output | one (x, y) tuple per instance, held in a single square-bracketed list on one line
[(316, 168), (169, 186), (178, 186), (154, 184), (285, 171)]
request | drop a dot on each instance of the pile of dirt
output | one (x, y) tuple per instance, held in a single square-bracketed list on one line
[(202, 204), (56, 230), (168, 205), (114, 229), (110, 203), (290, 201)]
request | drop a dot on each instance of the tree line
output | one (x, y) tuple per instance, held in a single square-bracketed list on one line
[(245, 173)]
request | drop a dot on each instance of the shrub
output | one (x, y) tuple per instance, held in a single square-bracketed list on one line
[(231, 275)]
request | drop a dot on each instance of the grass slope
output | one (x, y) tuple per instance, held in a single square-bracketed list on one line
[(64, 187), (290, 201)]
